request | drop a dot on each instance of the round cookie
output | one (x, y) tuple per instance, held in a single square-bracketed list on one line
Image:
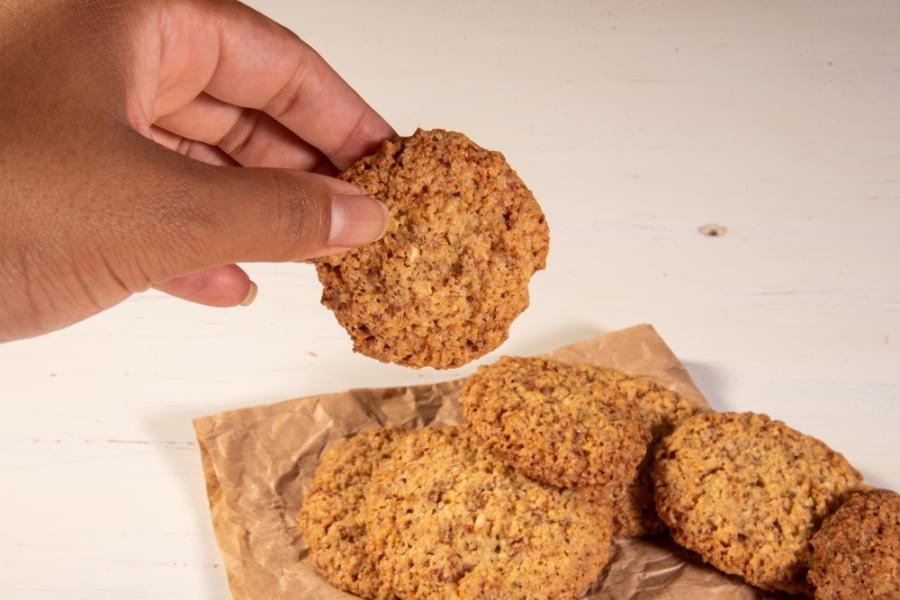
[(558, 423), (451, 273), (448, 520), (746, 493), (856, 553), (331, 518)]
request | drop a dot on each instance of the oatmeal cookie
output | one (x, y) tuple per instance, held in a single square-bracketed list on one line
[(449, 520), (450, 275), (746, 493), (558, 423), (856, 553)]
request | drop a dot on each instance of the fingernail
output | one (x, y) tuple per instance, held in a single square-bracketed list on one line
[(251, 294), (356, 220)]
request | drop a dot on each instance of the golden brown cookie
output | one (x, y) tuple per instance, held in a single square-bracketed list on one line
[(856, 553), (331, 518), (746, 493), (451, 273), (558, 423), (449, 520)]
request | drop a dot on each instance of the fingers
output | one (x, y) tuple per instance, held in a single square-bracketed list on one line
[(228, 285), (250, 137), (195, 216), (191, 148), (242, 58)]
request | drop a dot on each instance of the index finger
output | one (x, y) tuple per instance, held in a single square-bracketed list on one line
[(264, 66)]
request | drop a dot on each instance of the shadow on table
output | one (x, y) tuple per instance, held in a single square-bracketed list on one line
[(555, 338), (712, 384)]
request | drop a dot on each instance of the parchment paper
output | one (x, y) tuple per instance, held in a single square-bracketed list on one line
[(259, 461)]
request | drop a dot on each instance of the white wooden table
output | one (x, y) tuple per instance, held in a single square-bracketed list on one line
[(635, 124)]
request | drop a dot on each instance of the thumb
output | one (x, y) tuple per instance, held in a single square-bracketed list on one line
[(203, 216)]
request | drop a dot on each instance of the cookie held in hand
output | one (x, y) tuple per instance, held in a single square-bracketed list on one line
[(451, 273)]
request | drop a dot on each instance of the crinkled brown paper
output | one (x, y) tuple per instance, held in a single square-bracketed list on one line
[(259, 461)]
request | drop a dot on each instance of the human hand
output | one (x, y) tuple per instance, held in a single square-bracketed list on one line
[(123, 130)]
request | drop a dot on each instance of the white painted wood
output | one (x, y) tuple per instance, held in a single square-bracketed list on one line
[(635, 123)]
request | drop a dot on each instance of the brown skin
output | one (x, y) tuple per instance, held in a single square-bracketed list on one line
[(155, 143)]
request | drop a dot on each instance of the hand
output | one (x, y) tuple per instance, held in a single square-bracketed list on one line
[(158, 142)]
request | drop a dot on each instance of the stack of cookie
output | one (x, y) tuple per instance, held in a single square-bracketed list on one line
[(520, 502), (578, 426), (554, 460), (430, 513)]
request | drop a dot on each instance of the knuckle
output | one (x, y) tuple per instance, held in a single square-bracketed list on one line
[(238, 136), (301, 79), (301, 219)]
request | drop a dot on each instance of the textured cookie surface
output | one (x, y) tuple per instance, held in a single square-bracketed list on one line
[(560, 424), (746, 493), (331, 519), (659, 410), (447, 519), (451, 273), (856, 553)]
